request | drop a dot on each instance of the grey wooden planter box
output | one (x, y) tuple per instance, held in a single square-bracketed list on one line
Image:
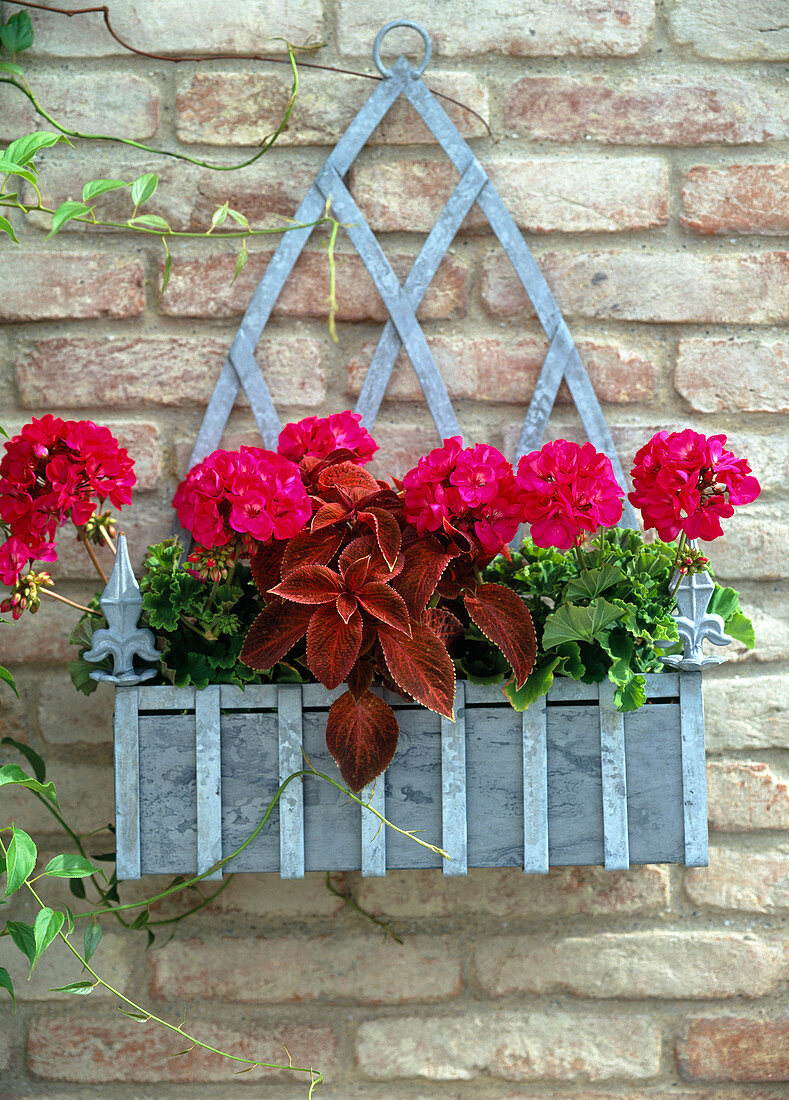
[(570, 781)]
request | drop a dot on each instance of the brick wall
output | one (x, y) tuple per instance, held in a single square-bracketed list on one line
[(642, 150)]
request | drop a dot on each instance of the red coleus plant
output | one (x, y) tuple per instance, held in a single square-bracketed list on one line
[(379, 600)]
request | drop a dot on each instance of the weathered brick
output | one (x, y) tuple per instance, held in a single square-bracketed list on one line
[(202, 288), (506, 892), (505, 371), (569, 195), (743, 713), (6, 1048), (109, 103), (41, 637), (744, 288), (102, 1049), (58, 967), (741, 198), (768, 606), (657, 1093), (222, 108), (401, 448), (274, 898), (743, 795), (212, 27), (543, 29), (518, 1046), (85, 792), (146, 521), (636, 964), (733, 375), (756, 882), (66, 286), (301, 968), (659, 110), (75, 372), (731, 1048), (66, 717), (731, 31), (752, 546)]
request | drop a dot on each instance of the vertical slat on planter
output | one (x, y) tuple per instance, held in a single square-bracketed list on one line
[(453, 787), (373, 830), (612, 759), (694, 779), (291, 803), (209, 779), (535, 787), (127, 782)]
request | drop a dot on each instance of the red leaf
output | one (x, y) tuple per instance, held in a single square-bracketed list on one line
[(346, 605), (349, 477), (307, 548), (361, 735), (446, 626), (421, 666), (274, 633), (387, 532), (503, 617), (425, 561), (385, 604), (327, 515), (310, 584), (266, 564), (366, 547), (333, 645), (355, 574), (360, 678)]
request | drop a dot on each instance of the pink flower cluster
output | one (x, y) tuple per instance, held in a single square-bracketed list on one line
[(568, 491), (684, 481), (52, 471), (470, 489), (317, 437), (252, 493)]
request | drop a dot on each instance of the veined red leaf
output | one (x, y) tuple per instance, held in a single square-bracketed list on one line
[(333, 645), (310, 584), (425, 562), (386, 530), (327, 515), (421, 666), (446, 626), (360, 678), (381, 601), (346, 605), (366, 547), (308, 548), (503, 617), (361, 735), (349, 477), (274, 633), (266, 565)]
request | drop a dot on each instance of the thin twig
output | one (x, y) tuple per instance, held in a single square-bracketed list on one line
[(383, 924), (83, 538), (71, 603)]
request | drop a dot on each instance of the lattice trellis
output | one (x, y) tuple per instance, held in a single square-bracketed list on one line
[(562, 361)]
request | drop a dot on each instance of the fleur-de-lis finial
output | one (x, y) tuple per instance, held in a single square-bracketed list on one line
[(695, 624), (122, 639)]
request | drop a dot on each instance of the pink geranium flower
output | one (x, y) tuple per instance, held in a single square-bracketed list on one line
[(317, 437)]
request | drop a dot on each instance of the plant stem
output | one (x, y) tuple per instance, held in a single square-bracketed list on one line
[(83, 538), (108, 541), (579, 557), (71, 603), (384, 925)]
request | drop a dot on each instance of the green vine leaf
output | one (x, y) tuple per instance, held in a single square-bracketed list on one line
[(70, 866), (8, 229), (91, 940), (94, 188), (12, 774), (241, 261), (79, 989), (143, 187), (64, 213), (5, 675), (150, 221), (25, 148), (20, 860), (22, 935), (6, 983), (48, 924), (10, 67), (10, 167), (219, 215), (17, 33), (32, 757)]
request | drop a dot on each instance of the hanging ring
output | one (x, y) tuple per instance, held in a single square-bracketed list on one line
[(385, 30)]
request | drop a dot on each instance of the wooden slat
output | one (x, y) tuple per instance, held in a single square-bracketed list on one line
[(614, 781), (373, 831), (208, 745), (453, 787), (694, 779), (127, 782), (291, 803), (535, 787)]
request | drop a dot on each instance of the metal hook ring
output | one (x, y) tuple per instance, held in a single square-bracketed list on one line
[(385, 30)]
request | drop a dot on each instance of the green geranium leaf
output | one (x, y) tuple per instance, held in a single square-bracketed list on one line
[(631, 694), (48, 924), (740, 627), (6, 983), (538, 683), (20, 860), (571, 623), (723, 602), (33, 759), (70, 866), (12, 774), (592, 582)]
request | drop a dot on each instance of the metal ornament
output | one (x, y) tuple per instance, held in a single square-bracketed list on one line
[(695, 624), (123, 640), (403, 330)]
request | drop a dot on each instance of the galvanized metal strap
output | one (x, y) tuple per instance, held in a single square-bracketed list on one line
[(616, 845), (694, 778), (291, 802), (373, 831), (453, 787), (126, 737), (208, 751), (535, 787)]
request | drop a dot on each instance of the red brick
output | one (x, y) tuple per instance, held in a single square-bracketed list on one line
[(660, 110), (6, 1048), (569, 195), (108, 103), (401, 447), (43, 636), (491, 369), (86, 794), (67, 717), (102, 1049), (733, 374), (744, 288), (212, 27), (222, 108), (754, 882), (299, 968), (176, 371), (718, 29), (274, 898), (741, 198), (658, 1093), (731, 1048), (743, 713), (544, 29), (57, 966), (752, 546), (744, 796), (507, 892), (634, 964), (515, 1045), (66, 286), (202, 288)]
